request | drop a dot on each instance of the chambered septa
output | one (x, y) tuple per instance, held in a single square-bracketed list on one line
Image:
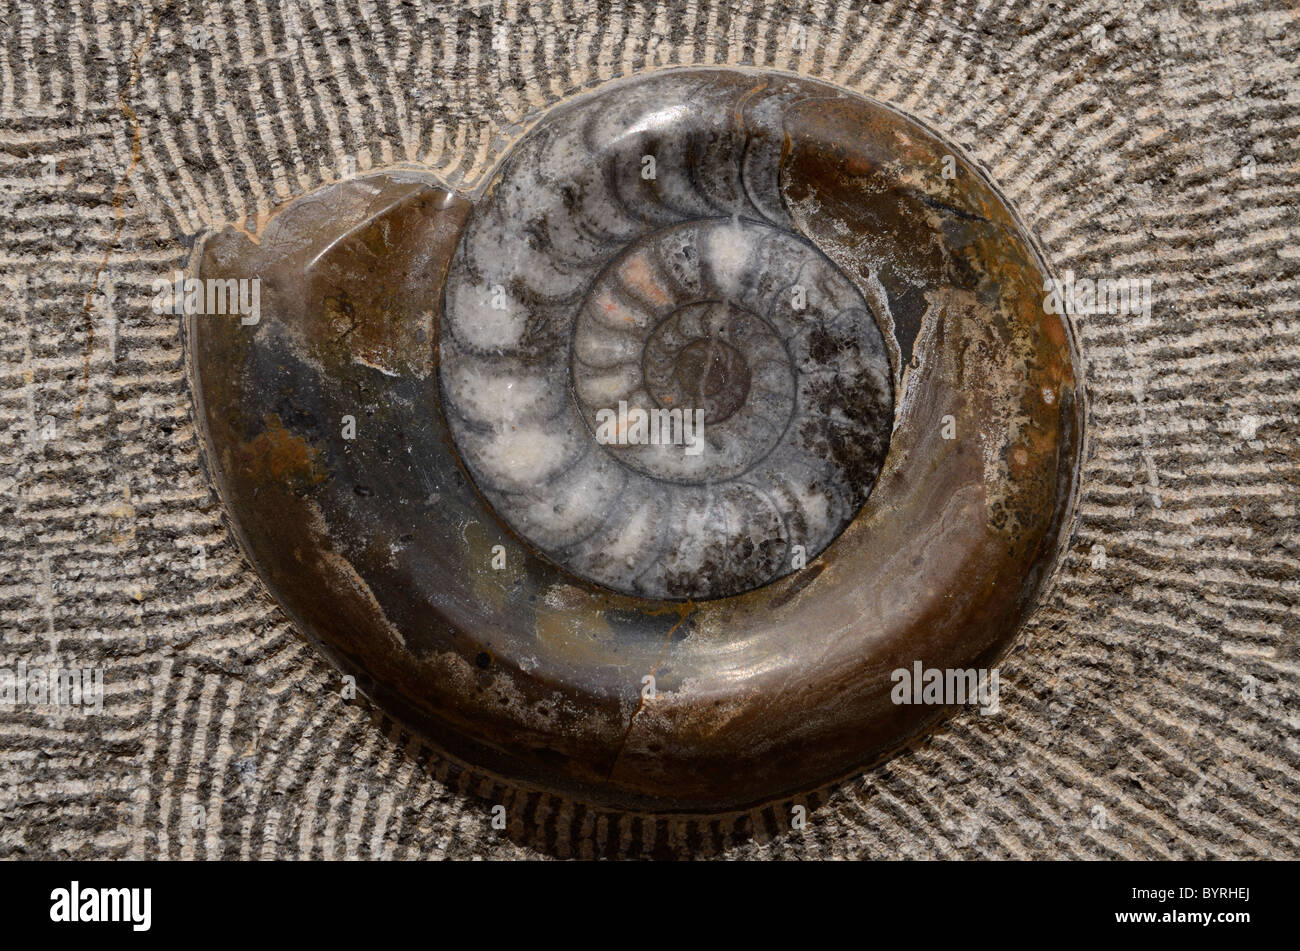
[(653, 376)]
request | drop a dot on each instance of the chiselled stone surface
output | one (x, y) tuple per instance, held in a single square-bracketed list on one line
[(1145, 712)]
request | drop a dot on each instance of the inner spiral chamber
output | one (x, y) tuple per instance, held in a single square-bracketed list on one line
[(634, 260), (697, 356)]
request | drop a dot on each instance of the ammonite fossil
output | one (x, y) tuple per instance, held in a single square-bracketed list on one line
[(638, 471)]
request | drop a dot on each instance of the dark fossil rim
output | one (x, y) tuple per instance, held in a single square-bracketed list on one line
[(401, 696)]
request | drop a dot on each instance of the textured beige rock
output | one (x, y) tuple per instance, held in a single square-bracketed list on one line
[(1150, 709)]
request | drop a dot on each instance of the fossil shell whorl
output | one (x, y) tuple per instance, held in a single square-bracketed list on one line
[(625, 263)]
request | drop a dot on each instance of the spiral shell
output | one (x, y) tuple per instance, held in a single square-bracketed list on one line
[(615, 269), (425, 444)]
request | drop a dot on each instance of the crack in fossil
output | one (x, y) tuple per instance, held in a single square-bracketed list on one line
[(687, 611)]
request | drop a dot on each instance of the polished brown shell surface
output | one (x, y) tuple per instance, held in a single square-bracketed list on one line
[(364, 490)]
